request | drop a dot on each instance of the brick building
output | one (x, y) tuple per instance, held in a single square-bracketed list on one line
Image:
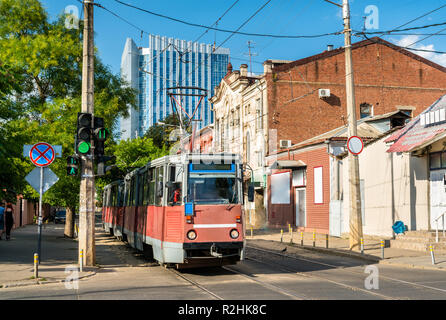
[(386, 78)]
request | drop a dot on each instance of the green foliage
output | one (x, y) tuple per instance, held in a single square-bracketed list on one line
[(162, 133), (42, 62), (136, 153)]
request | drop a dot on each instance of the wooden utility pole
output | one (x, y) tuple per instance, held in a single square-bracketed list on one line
[(353, 163), (87, 189)]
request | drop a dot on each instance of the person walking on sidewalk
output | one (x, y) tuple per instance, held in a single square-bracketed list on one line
[(9, 220), (2, 220)]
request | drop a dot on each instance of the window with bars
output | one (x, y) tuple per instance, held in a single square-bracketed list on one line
[(259, 115)]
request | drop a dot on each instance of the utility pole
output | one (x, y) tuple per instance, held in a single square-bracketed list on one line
[(250, 54), (353, 163), (87, 188)]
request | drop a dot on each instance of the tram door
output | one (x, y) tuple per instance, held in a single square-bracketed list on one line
[(299, 205)]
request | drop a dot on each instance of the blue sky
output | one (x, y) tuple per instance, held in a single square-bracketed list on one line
[(293, 17)]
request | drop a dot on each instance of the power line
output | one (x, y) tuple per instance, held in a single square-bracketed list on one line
[(406, 29), (231, 31), (364, 35), (417, 18), (425, 38)]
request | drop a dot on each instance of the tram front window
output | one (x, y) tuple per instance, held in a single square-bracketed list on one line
[(212, 190)]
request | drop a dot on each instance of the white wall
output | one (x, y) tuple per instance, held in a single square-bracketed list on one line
[(395, 188)]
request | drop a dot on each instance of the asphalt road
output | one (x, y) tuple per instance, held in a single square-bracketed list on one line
[(296, 274)]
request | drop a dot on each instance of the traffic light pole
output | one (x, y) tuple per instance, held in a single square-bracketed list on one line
[(87, 188)]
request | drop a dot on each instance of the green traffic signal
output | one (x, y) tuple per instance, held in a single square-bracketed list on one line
[(72, 165), (83, 147)]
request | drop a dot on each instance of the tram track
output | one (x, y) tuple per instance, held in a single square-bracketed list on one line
[(264, 284), (341, 268), (195, 284)]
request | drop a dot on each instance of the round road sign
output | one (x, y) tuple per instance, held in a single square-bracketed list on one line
[(42, 154), (355, 145)]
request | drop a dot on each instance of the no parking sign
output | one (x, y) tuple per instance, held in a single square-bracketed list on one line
[(42, 154), (355, 145)]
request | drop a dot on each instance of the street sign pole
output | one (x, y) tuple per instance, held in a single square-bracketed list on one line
[(39, 241)]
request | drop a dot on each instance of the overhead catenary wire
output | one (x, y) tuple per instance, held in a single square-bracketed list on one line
[(364, 34), (227, 38), (231, 31)]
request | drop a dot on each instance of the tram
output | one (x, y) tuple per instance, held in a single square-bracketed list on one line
[(182, 210)]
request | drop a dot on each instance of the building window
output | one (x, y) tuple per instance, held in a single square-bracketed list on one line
[(248, 147), (259, 116), (299, 178), (280, 188), (237, 122), (318, 186), (366, 110), (260, 159), (437, 160)]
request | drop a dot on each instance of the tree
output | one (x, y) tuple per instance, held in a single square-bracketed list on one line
[(161, 133), (135, 153), (47, 58)]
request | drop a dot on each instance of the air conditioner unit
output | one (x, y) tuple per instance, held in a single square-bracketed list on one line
[(285, 143), (324, 93)]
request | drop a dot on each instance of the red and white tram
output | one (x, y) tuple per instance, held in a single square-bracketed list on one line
[(183, 210)]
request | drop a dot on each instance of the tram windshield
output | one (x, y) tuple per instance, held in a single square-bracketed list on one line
[(212, 189), (212, 183)]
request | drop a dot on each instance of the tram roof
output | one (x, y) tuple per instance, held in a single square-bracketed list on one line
[(186, 157)]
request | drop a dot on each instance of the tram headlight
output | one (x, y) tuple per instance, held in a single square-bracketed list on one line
[(191, 235), (234, 234)]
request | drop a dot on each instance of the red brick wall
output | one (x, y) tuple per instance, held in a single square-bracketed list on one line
[(317, 214), (384, 78)]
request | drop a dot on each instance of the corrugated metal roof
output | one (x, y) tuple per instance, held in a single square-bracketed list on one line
[(415, 135), (288, 164), (364, 130)]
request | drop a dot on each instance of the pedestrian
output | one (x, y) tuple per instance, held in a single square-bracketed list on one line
[(9, 220), (2, 220)]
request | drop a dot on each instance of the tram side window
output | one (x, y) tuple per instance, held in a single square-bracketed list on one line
[(106, 199), (150, 195), (112, 198), (159, 186), (120, 196), (141, 189), (127, 194), (135, 191), (174, 187), (144, 188), (131, 198)]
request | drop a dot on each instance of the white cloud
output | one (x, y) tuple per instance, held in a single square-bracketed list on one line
[(407, 41)]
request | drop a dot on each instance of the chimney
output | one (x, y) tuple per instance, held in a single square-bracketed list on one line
[(329, 47), (267, 66), (244, 70)]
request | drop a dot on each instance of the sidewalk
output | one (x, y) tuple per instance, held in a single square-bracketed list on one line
[(17, 256), (339, 246)]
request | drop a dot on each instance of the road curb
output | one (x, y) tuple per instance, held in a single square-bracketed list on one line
[(410, 266), (38, 282)]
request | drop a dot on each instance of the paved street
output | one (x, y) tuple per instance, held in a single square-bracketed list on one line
[(266, 274)]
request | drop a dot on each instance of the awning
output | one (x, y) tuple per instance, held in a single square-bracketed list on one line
[(288, 164)]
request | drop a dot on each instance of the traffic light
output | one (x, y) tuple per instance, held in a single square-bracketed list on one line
[(72, 165), (102, 161), (100, 135), (83, 137)]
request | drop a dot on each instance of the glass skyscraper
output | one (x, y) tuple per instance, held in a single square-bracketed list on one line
[(166, 63)]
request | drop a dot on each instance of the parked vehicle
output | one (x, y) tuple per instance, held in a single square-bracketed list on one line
[(181, 210), (60, 216)]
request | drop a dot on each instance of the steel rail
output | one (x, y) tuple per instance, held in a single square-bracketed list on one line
[(349, 271)]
